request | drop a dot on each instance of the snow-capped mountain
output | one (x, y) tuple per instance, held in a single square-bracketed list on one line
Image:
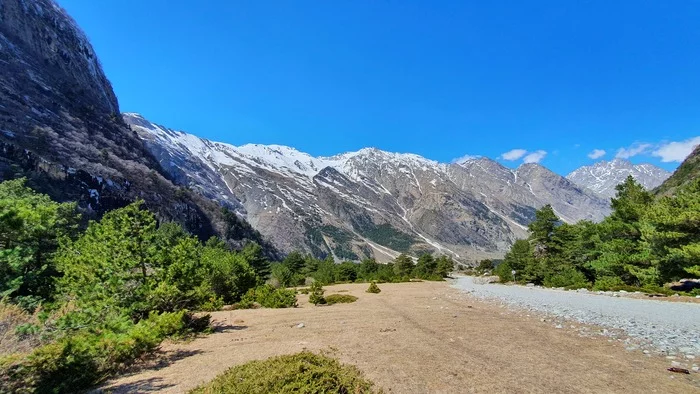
[(369, 202), (603, 176)]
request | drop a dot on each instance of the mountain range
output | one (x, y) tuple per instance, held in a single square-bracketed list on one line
[(60, 126), (369, 202)]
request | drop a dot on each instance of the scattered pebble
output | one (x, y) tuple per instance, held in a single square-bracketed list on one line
[(648, 325)]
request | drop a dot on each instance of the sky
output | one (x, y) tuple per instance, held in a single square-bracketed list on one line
[(562, 83)]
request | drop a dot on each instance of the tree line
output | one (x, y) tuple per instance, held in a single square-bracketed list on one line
[(644, 243), (89, 298)]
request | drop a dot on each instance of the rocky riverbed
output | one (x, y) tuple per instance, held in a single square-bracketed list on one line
[(650, 326)]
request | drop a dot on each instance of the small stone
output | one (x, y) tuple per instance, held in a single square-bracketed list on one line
[(690, 356), (646, 352), (558, 326), (300, 325), (675, 364), (696, 369)]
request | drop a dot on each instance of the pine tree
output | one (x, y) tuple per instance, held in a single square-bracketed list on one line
[(403, 266), (672, 228), (253, 254)]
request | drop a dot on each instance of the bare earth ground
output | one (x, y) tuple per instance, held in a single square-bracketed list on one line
[(416, 338)]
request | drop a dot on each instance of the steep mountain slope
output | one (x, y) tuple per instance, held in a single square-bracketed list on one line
[(60, 126), (687, 172), (603, 176), (368, 202)]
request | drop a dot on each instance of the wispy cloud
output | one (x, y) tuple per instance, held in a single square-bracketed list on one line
[(535, 157), (465, 158), (633, 150), (513, 154), (676, 151), (596, 154)]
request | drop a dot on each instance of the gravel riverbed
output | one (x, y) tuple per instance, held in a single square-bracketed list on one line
[(671, 328)]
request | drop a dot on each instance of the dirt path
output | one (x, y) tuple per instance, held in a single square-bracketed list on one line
[(417, 338)]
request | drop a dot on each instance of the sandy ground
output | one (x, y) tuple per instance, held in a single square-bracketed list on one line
[(416, 338)]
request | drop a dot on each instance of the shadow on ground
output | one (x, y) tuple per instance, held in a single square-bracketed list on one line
[(140, 386), (228, 328)]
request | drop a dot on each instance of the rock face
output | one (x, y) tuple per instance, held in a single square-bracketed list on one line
[(602, 177), (369, 202), (60, 127)]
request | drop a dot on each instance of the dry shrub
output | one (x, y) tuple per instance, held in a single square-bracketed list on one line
[(19, 330)]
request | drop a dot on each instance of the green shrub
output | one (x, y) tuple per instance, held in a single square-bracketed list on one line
[(373, 288), (567, 277), (340, 299), (316, 294), (605, 283), (504, 272), (82, 359), (269, 297), (304, 372)]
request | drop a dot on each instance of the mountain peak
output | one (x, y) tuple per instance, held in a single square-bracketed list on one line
[(603, 176)]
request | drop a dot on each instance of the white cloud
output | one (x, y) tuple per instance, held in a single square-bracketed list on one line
[(514, 154), (676, 151), (465, 158), (535, 157), (596, 154), (633, 150)]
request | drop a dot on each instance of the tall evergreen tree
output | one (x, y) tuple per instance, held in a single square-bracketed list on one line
[(253, 253)]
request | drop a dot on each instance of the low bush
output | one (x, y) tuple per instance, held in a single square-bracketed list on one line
[(340, 299), (83, 358), (605, 283), (567, 277), (304, 372), (373, 288), (269, 297)]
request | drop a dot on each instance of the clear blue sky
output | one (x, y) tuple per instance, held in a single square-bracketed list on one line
[(440, 79)]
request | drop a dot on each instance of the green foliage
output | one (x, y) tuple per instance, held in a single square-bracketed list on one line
[(568, 277), (641, 245), (346, 272), (687, 173), (316, 293), (282, 275), (269, 297), (386, 235), (425, 267), (228, 275), (605, 283), (403, 266), (445, 265), (485, 266), (298, 373), (373, 288), (254, 255), (340, 299), (673, 233), (83, 358), (31, 227), (122, 287)]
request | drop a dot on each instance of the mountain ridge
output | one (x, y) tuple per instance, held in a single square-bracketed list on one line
[(393, 202), (602, 177)]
